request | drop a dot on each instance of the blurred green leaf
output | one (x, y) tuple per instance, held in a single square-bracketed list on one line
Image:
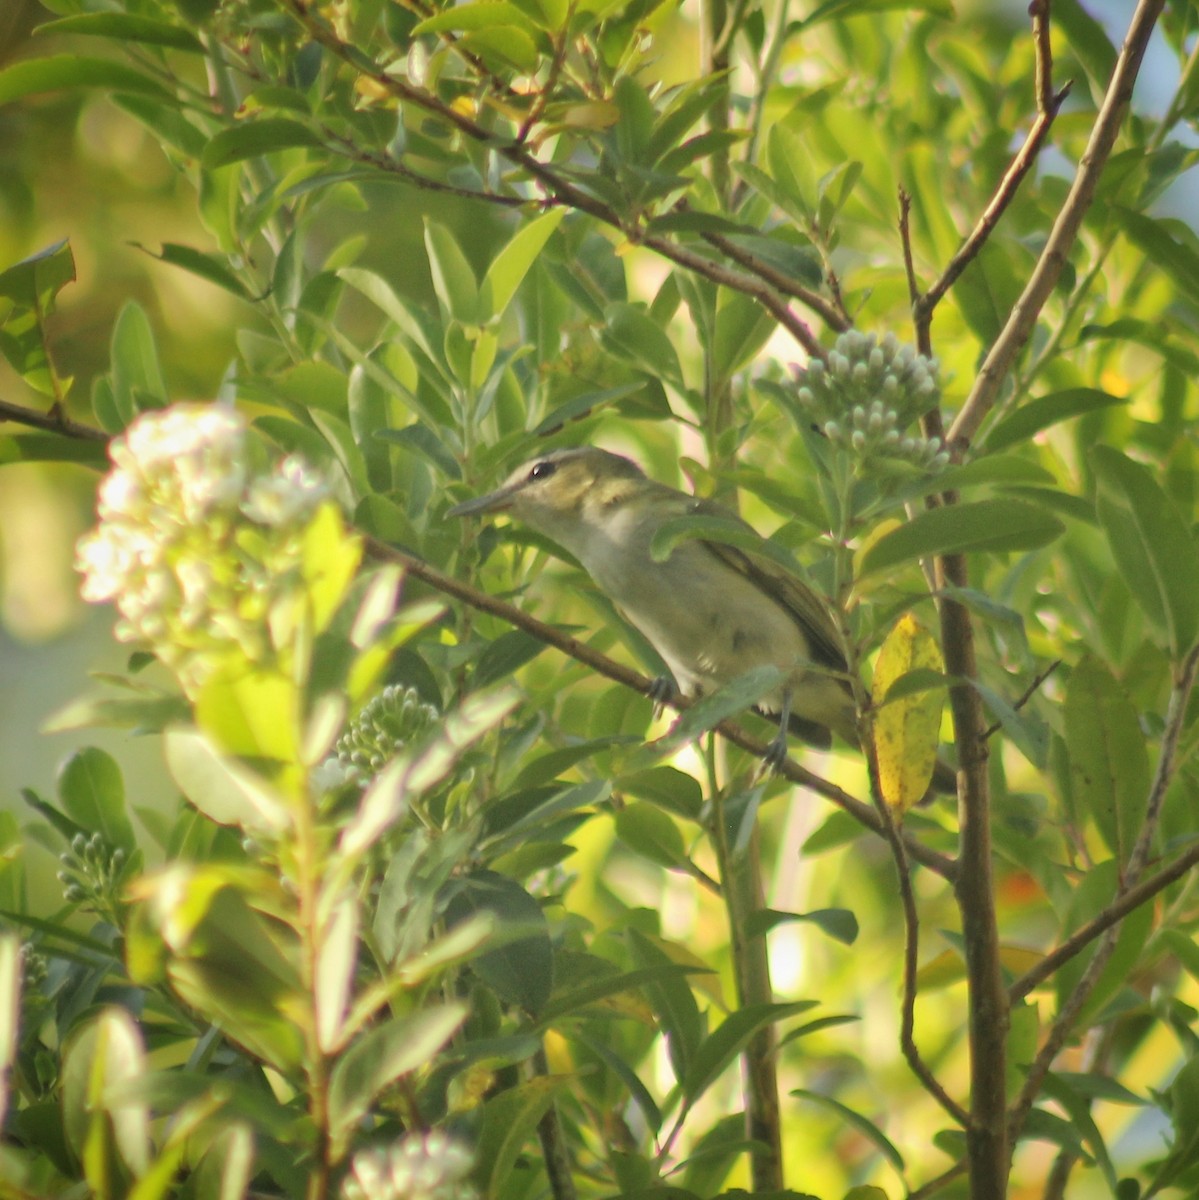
[(453, 277), (521, 970), (1045, 411), (30, 287), (111, 1139), (65, 71), (92, 792), (513, 262), (1154, 549), (125, 27), (397, 1047), (253, 138), (999, 526), (865, 1127), (1109, 760), (137, 381)]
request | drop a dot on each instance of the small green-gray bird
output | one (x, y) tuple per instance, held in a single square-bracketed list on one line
[(712, 610)]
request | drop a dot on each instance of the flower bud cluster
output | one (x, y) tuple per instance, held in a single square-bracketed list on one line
[(90, 871), (868, 393), (430, 1166), (194, 534), (395, 718)]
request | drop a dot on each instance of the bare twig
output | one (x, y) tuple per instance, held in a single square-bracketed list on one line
[(863, 813), (938, 1184), (1063, 1024), (1015, 334), (53, 421), (911, 964), (1115, 912), (1026, 695), (833, 316), (1038, 10)]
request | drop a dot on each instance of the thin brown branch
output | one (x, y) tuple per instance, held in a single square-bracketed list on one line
[(1115, 912), (1063, 1023), (1048, 103), (836, 318), (1003, 195), (1025, 313), (1026, 695), (863, 813), (911, 966), (53, 421), (938, 1184), (909, 261)]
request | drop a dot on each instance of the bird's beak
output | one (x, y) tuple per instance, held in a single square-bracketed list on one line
[(495, 501)]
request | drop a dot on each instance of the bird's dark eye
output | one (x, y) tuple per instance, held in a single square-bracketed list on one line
[(542, 470)]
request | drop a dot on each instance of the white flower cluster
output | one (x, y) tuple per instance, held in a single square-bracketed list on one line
[(868, 393), (170, 550), (430, 1166)]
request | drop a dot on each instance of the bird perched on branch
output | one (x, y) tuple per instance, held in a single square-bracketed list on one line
[(713, 610)]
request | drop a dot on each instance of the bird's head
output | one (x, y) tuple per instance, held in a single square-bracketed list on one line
[(560, 490)]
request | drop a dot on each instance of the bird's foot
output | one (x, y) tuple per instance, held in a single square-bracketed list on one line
[(661, 691), (776, 753)]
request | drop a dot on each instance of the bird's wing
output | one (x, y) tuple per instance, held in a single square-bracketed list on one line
[(806, 608)]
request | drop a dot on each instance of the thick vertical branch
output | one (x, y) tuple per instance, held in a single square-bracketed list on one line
[(741, 886), (986, 1136)]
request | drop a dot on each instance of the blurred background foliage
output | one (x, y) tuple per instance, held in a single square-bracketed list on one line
[(863, 103)]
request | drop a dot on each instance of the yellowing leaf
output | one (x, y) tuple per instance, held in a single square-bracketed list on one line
[(907, 729)]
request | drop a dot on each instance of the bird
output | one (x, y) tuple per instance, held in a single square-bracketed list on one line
[(712, 610)]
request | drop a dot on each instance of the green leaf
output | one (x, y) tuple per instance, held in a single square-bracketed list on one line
[(30, 287), (839, 923), (865, 1127), (1152, 546), (93, 794), (717, 1051), (521, 971), (453, 277), (486, 14), (1088, 39), (840, 9), (736, 697), (509, 1121), (1183, 1096), (266, 135), (982, 525), (506, 655), (1175, 256), (635, 125), (651, 833), (252, 715), (1031, 418), (512, 264), (112, 1139), (397, 1047), (1091, 894), (633, 335), (10, 1010), (221, 788), (137, 381), (204, 266), (124, 27), (1109, 761), (673, 1001), (73, 71)]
